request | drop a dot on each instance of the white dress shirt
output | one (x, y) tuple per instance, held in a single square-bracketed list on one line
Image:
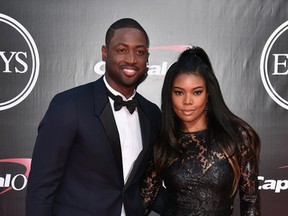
[(129, 130)]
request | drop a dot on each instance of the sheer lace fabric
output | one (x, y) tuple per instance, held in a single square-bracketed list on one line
[(199, 182)]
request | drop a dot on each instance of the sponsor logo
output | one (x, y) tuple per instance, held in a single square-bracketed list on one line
[(274, 65), (271, 184), (156, 68), (19, 62), (16, 181)]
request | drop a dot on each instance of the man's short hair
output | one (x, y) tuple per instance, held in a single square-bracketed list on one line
[(124, 23)]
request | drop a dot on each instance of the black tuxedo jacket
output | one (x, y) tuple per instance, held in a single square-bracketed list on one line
[(76, 166)]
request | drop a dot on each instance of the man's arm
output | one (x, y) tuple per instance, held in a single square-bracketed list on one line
[(55, 135)]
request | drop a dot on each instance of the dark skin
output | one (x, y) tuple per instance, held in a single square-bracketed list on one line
[(126, 57)]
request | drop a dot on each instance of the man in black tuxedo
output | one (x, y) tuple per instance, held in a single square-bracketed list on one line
[(89, 157)]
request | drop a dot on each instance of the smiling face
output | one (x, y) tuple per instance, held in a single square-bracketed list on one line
[(126, 57), (189, 97)]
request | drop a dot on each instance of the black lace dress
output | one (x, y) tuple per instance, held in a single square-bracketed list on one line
[(199, 183)]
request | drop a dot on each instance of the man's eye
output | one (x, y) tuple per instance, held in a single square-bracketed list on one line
[(141, 52), (121, 51)]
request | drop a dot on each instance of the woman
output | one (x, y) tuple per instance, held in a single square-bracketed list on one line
[(205, 153)]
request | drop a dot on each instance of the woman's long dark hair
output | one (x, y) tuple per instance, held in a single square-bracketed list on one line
[(224, 127)]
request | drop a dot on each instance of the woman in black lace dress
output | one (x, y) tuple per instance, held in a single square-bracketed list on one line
[(205, 153)]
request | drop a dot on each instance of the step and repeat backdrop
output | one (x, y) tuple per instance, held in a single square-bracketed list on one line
[(50, 46)]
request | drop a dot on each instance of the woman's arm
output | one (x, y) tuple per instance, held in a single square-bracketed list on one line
[(248, 184), (150, 187)]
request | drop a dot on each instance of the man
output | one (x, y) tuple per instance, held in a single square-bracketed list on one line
[(89, 158)]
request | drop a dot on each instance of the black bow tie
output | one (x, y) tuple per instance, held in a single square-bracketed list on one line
[(119, 103)]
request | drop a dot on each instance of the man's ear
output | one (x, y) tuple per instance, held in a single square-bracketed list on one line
[(104, 52)]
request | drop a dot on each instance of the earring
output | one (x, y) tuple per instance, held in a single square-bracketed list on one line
[(206, 109)]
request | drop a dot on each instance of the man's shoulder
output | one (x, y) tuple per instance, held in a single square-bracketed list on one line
[(148, 105), (81, 94), (79, 91)]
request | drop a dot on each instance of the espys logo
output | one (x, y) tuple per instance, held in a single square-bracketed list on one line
[(19, 62), (160, 67), (274, 65), (18, 179)]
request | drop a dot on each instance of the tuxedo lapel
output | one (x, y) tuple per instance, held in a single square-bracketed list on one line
[(145, 126), (102, 108), (110, 127)]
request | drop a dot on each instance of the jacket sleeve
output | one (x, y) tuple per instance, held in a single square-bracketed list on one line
[(55, 137)]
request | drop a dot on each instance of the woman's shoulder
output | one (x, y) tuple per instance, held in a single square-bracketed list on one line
[(249, 144)]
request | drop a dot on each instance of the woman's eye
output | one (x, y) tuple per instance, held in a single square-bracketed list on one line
[(178, 92), (197, 92)]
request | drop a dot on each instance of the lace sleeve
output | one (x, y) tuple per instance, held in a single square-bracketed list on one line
[(248, 188), (150, 187)]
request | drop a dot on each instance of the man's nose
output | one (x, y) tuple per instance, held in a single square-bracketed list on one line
[(130, 57)]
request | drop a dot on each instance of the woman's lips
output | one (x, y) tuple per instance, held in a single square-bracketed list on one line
[(187, 112)]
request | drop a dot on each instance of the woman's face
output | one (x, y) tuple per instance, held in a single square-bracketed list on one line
[(189, 97)]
